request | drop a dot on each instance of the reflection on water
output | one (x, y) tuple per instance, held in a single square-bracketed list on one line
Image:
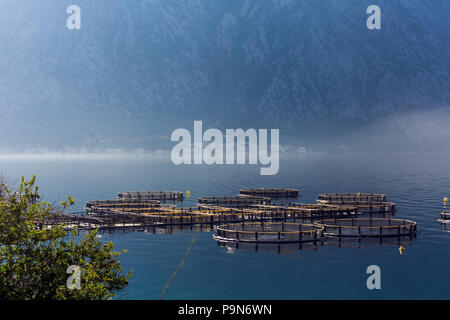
[(283, 248)]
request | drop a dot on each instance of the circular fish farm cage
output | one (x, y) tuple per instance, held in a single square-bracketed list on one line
[(445, 217), (268, 232), (367, 227), (364, 206), (376, 197)]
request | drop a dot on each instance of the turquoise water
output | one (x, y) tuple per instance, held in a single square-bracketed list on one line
[(416, 184)]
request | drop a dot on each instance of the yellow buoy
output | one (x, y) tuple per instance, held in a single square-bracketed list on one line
[(359, 194), (188, 194), (262, 189), (445, 200), (402, 249)]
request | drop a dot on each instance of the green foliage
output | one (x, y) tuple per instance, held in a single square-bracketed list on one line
[(34, 259)]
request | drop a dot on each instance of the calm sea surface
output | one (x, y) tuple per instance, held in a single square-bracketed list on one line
[(416, 184)]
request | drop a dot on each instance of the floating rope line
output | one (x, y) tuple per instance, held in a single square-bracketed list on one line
[(179, 266)]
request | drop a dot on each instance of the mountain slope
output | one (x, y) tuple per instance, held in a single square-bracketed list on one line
[(137, 68)]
